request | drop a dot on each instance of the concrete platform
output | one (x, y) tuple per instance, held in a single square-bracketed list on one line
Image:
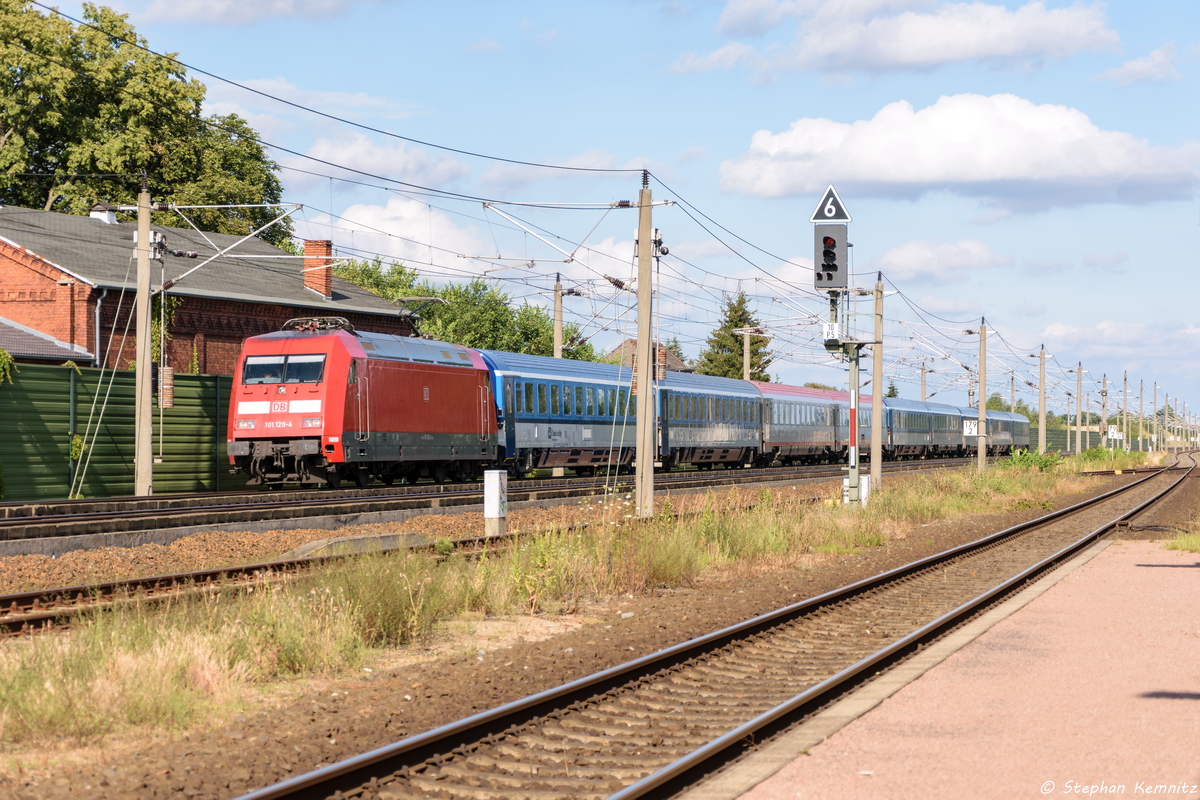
[(1086, 684)]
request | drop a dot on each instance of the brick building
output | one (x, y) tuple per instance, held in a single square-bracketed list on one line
[(72, 280)]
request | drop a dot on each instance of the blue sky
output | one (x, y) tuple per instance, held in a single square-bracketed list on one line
[(1034, 163)]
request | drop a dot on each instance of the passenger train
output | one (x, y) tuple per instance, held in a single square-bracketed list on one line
[(319, 402)]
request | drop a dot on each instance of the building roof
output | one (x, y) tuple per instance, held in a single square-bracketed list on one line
[(624, 353), (102, 255), (23, 342)]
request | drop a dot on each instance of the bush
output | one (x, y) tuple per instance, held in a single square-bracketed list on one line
[(1026, 459)]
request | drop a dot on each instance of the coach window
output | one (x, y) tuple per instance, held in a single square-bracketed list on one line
[(520, 400), (554, 398), (590, 394), (568, 408), (541, 390), (529, 391), (579, 400), (622, 403)]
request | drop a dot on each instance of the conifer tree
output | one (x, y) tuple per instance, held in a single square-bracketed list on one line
[(723, 354)]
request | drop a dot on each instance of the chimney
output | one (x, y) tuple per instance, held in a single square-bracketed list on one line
[(318, 275), (105, 213)]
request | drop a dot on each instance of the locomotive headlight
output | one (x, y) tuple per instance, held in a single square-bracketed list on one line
[(311, 422), (244, 424)]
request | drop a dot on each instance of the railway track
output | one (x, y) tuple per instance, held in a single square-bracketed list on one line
[(650, 727), (84, 517)]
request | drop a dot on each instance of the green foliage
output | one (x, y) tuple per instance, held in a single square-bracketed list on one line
[(77, 447), (8, 365), (723, 355), (476, 314), (675, 347), (824, 386), (892, 391), (1026, 459), (87, 113)]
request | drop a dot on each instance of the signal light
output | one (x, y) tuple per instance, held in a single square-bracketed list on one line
[(829, 259)]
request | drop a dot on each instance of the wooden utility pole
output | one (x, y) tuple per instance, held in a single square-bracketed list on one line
[(922, 381), (646, 423), (143, 467), (1154, 416), (982, 463), (877, 390), (1042, 400)]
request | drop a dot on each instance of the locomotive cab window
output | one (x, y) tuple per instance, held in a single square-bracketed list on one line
[(283, 369)]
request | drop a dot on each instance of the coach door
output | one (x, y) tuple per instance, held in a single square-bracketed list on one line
[(485, 410), (510, 419)]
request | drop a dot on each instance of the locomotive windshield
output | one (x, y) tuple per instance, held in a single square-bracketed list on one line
[(283, 369)]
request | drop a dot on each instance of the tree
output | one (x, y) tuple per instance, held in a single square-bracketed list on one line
[(85, 113), (476, 314), (723, 355), (824, 386), (675, 347), (892, 391)]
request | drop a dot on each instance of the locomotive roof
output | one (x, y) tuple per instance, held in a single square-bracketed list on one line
[(407, 348)]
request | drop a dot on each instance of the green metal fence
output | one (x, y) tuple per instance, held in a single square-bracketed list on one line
[(45, 407)]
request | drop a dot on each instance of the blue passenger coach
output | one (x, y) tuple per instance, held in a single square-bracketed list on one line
[(559, 412), (706, 421)]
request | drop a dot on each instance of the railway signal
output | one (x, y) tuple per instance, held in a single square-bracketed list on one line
[(830, 270)]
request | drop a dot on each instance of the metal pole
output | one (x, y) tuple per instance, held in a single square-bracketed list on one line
[(922, 382), (558, 315), (745, 355), (1141, 416), (877, 390), (1104, 412), (1088, 411), (982, 396), (1078, 404), (1012, 392), (143, 467), (646, 422), (855, 496), (1125, 412), (1042, 400), (1155, 417)]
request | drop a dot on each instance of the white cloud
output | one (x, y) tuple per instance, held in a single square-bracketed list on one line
[(1105, 261), (486, 46), (754, 17), (239, 12), (221, 94), (945, 262), (725, 57), (1158, 66), (889, 35), (398, 161), (1003, 148), (950, 306), (405, 230)]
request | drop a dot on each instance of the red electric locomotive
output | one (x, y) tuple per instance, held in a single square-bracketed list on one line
[(318, 402)]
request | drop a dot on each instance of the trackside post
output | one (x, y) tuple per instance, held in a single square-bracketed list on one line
[(495, 502)]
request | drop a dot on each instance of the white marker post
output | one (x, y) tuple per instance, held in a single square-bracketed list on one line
[(495, 502)]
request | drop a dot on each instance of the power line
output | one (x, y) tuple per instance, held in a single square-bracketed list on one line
[(333, 117)]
